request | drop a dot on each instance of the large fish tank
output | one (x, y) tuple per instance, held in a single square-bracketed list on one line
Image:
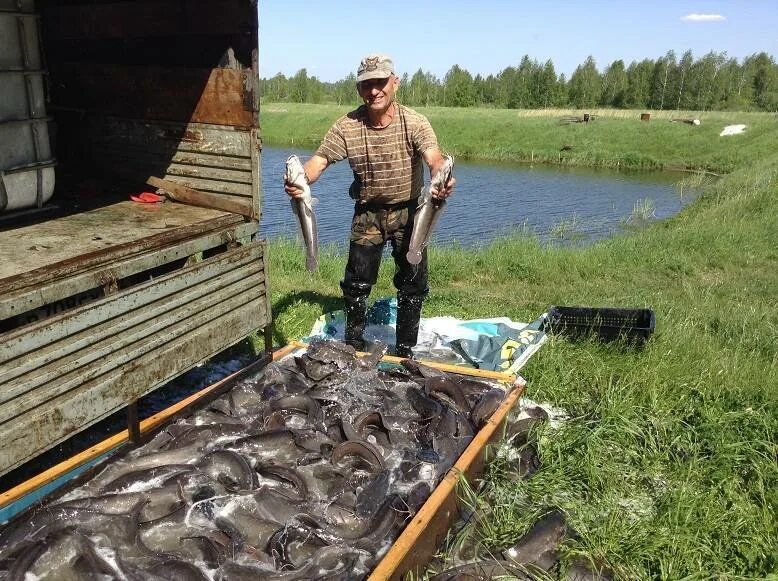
[(311, 468)]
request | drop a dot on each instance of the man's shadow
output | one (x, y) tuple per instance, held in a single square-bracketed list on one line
[(327, 303)]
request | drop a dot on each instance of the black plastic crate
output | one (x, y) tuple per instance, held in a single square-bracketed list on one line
[(605, 323)]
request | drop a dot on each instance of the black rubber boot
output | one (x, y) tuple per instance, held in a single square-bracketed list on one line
[(408, 317), (403, 352), (360, 276), (356, 311)]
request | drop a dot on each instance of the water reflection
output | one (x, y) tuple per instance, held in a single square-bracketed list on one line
[(570, 205)]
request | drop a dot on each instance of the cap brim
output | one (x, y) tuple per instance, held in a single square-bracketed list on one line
[(373, 75)]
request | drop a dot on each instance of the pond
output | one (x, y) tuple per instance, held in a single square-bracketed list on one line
[(568, 205)]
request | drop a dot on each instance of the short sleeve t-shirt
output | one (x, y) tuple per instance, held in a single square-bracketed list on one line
[(386, 161)]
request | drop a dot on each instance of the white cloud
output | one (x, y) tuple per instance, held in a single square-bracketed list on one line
[(703, 18)]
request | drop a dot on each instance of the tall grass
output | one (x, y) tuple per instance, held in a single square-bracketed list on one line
[(666, 467)]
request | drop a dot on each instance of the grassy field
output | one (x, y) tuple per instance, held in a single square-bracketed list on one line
[(667, 466), (613, 139)]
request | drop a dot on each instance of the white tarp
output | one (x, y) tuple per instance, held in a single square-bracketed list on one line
[(732, 130), (498, 344)]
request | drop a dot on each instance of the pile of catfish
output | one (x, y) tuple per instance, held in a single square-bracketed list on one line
[(309, 470)]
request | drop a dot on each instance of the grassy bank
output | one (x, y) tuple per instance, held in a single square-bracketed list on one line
[(666, 466), (613, 139)]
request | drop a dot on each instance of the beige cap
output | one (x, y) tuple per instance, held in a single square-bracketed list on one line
[(375, 66)]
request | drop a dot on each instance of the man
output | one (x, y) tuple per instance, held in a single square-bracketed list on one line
[(385, 144)]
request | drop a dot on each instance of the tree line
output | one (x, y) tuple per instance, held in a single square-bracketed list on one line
[(711, 82)]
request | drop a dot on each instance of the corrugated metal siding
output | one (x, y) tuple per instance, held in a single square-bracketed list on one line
[(69, 372)]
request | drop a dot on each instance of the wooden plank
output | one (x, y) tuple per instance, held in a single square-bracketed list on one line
[(74, 411), (421, 538), (219, 175), (100, 343), (220, 189), (133, 425), (256, 170), (186, 195), (21, 341), (46, 348), (149, 424), (118, 350), (187, 94), (45, 294), (79, 230)]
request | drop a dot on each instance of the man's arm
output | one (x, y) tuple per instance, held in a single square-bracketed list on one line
[(314, 167), (435, 160)]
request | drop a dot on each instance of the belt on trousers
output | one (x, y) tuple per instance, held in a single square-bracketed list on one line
[(396, 206)]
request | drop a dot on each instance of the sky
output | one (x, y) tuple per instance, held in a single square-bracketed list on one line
[(328, 38)]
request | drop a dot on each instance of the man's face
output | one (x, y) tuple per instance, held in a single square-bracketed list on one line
[(378, 94)]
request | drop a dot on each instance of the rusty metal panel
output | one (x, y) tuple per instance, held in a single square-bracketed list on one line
[(82, 252), (184, 94), (26, 349), (167, 137), (151, 18), (51, 290), (172, 340), (36, 387)]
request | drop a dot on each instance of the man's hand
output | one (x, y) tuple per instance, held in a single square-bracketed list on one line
[(443, 193), (291, 189), (436, 161), (313, 169)]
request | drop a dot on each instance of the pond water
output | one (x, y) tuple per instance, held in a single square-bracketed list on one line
[(569, 205)]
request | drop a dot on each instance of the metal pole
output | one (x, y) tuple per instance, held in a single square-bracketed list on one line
[(133, 424), (269, 337)]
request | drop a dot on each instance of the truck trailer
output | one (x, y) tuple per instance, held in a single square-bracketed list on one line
[(104, 298)]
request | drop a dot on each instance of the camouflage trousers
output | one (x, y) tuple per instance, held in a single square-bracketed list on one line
[(371, 228)]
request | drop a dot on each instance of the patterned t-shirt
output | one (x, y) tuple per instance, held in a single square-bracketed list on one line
[(387, 162)]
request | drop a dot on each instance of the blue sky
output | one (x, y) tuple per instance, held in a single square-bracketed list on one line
[(328, 38)]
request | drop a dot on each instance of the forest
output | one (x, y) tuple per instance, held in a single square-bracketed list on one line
[(711, 82)]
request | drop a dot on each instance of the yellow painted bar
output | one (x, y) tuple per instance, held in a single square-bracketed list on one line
[(482, 373), (396, 562)]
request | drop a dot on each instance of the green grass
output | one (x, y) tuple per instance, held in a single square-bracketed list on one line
[(667, 467), (614, 139)]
